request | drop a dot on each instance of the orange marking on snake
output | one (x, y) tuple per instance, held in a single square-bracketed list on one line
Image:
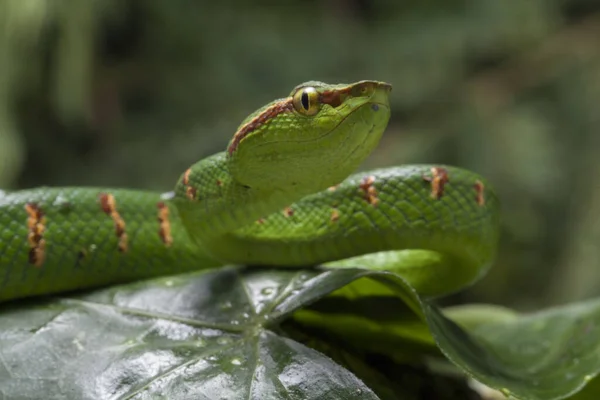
[(370, 193), (164, 230), (109, 206), (186, 176), (333, 188), (438, 181), (190, 192), (335, 215), (336, 97), (288, 212), (479, 188), (219, 182), (36, 223), (37, 254), (268, 113)]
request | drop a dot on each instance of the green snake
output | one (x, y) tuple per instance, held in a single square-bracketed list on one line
[(280, 195)]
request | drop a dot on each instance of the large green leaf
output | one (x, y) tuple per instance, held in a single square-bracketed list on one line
[(548, 355), (201, 336), (225, 334)]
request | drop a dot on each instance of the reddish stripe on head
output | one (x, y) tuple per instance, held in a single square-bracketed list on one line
[(269, 113), (334, 97)]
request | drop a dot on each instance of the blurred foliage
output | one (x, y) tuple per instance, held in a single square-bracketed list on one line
[(131, 92)]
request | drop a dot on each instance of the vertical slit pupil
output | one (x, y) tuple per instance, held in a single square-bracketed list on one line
[(305, 100)]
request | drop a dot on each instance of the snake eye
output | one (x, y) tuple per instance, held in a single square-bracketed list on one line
[(306, 101)]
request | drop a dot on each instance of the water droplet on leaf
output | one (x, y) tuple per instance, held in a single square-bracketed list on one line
[(267, 291), (224, 340), (226, 306)]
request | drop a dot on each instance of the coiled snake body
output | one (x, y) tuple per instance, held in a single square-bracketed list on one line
[(280, 195)]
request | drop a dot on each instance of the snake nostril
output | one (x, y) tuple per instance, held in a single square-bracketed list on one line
[(375, 107)]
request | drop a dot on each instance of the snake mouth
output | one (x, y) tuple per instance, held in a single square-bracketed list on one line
[(366, 137), (381, 106)]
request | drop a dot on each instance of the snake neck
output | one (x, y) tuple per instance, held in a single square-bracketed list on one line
[(212, 203)]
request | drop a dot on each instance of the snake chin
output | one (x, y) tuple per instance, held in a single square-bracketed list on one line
[(361, 145)]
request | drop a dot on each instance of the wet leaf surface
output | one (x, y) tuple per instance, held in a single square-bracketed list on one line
[(201, 336)]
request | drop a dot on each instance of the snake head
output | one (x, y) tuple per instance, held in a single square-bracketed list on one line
[(312, 139)]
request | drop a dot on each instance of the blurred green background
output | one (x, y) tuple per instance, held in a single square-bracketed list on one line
[(131, 92)]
